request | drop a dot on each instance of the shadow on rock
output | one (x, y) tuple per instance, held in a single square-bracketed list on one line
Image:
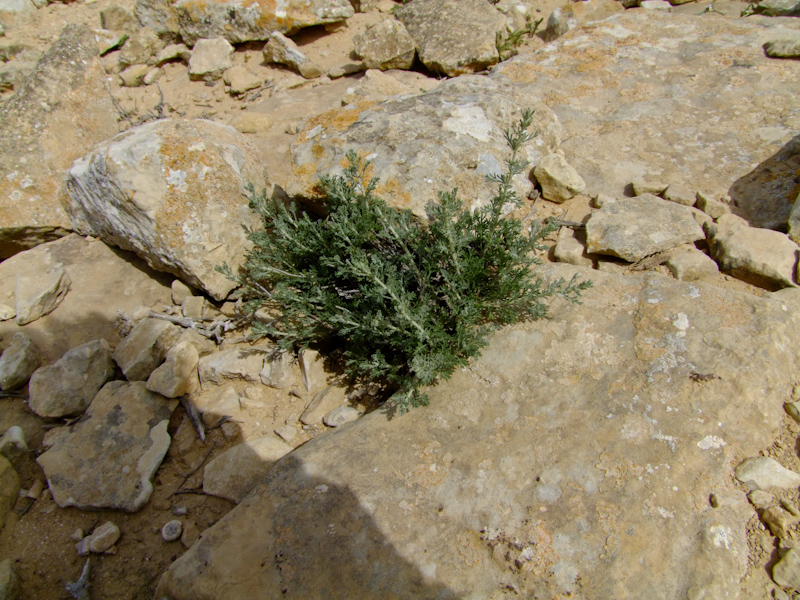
[(766, 194), (328, 546)]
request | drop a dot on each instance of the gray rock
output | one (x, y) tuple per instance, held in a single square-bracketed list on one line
[(385, 45), (760, 256), (40, 294), (687, 263), (287, 433), (280, 372), (178, 375), (453, 38), (324, 401), (104, 537), (189, 213), (117, 18), (109, 459), (9, 581), (713, 208), (530, 468), (280, 49), (558, 179), (341, 415), (680, 194), (779, 8), (61, 111), (172, 531), (236, 363), (16, 13), (237, 22), (419, 145), (210, 59), (643, 123), (68, 386), (762, 472), (194, 307), (785, 47), (18, 362), (13, 75), (638, 227), (236, 471), (145, 348), (172, 52), (786, 572), (9, 488), (12, 444)]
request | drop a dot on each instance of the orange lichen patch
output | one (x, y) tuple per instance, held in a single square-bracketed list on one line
[(519, 72), (394, 194), (335, 120), (304, 177), (318, 151)]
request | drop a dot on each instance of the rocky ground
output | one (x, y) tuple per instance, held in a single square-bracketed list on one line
[(668, 146)]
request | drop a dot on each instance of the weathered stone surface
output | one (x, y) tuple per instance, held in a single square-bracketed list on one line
[(241, 79), (341, 415), (69, 385), (451, 136), (761, 256), (173, 191), (452, 37), (786, 572), (570, 16), (134, 75), (680, 194), (535, 467), (558, 179), (235, 20), (794, 222), (108, 460), (785, 47), (140, 47), (210, 59), (640, 97), (385, 45), (178, 375), (12, 444), (145, 347), (778, 521), (764, 472), (40, 294), (9, 581), (104, 537), (634, 228), (687, 263), (218, 403), (280, 49), (779, 8), (569, 249), (236, 363), (108, 40), (324, 401), (104, 281), (236, 471), (16, 13), (118, 18), (57, 115), (9, 488), (713, 208), (280, 372), (18, 362), (172, 52), (375, 86)]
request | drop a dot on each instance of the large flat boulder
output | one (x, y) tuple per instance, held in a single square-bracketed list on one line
[(451, 136), (58, 114), (576, 458), (237, 20), (174, 192), (677, 99)]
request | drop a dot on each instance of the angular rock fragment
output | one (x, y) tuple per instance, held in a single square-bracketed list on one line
[(108, 460), (41, 294), (634, 228), (764, 472), (280, 49), (783, 48), (280, 372), (236, 471), (217, 404), (140, 47), (453, 38), (18, 362), (232, 364), (69, 385), (210, 59), (173, 191), (786, 572), (558, 179), (385, 45), (326, 400), (687, 263), (178, 375), (145, 347)]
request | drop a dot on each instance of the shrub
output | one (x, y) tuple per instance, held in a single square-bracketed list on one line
[(407, 303)]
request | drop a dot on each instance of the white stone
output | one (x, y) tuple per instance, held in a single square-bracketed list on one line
[(210, 59), (764, 472)]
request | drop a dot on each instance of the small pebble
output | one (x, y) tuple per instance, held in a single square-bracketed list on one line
[(172, 531), (77, 535), (180, 511), (790, 508)]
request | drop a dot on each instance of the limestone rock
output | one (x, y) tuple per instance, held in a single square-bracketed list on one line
[(140, 47), (661, 5), (656, 188), (779, 8), (108, 40), (668, 106), (237, 21), (680, 194), (108, 460), (68, 386), (236, 471), (341, 415), (172, 52), (251, 122), (236, 363), (12, 444), (284, 51), (687, 263), (376, 86), (104, 537), (13, 75), (145, 347), (786, 572), (785, 47), (450, 136), (218, 403), (16, 13), (9, 488), (180, 291), (18, 362), (280, 372), (312, 370), (385, 45), (178, 375), (324, 401), (57, 115), (118, 18), (638, 227), (713, 208), (104, 281), (7, 312), (40, 294), (241, 79), (530, 468), (778, 521), (210, 59), (570, 16), (453, 38), (558, 179), (9, 581), (764, 472), (134, 75), (569, 250), (761, 256), (173, 191)]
